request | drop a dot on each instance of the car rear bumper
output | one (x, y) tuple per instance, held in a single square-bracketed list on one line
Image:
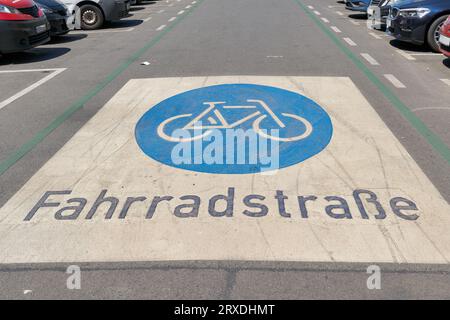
[(17, 36)]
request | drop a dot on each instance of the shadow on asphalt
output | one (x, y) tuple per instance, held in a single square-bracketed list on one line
[(358, 16), (446, 62), (136, 9), (123, 24), (33, 55), (405, 46), (67, 38)]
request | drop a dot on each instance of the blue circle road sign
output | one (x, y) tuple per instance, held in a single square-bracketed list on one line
[(213, 129)]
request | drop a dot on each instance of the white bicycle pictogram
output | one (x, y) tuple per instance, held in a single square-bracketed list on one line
[(197, 125)]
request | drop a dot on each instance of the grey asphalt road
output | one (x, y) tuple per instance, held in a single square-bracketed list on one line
[(216, 37)]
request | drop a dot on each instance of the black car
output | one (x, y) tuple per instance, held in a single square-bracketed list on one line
[(418, 21), (56, 14)]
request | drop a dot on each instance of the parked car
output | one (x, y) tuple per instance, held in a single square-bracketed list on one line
[(418, 21), (22, 26), (378, 12), (444, 38), (61, 21), (92, 14), (357, 5)]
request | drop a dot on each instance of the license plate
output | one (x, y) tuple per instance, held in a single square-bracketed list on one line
[(444, 40), (42, 28)]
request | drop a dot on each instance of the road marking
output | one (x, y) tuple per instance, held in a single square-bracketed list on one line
[(405, 55), (161, 11), (147, 19), (100, 198), (375, 35), (181, 12), (431, 108), (339, 13), (395, 82), (429, 54), (25, 148), (311, 7), (335, 29), (172, 19), (350, 42), (317, 12), (161, 27), (101, 31), (446, 81), (325, 20), (188, 7), (54, 73), (370, 59), (434, 140)]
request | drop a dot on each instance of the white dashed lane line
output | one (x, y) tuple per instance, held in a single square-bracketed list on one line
[(335, 29), (370, 59), (375, 35), (181, 12), (350, 42), (311, 7), (172, 19), (161, 27), (325, 20), (317, 13), (395, 82)]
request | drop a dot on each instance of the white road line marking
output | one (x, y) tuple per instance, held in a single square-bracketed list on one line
[(335, 29), (317, 12), (161, 27), (188, 7), (325, 20), (339, 13), (181, 12), (161, 11), (375, 35), (446, 81), (102, 31), (370, 59), (430, 108), (147, 19), (356, 23), (430, 54), (172, 19), (31, 87), (350, 42), (395, 82), (405, 55), (311, 7)]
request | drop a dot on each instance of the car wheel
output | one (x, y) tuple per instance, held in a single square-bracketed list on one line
[(91, 17), (433, 33)]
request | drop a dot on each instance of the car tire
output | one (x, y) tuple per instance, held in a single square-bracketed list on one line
[(433, 32), (91, 17)]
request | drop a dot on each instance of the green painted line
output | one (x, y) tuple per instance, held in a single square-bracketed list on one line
[(430, 136), (41, 135)]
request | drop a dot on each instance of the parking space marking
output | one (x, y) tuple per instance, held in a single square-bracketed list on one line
[(395, 82), (54, 73), (325, 20), (335, 29), (188, 7), (172, 19), (311, 7), (161, 27), (339, 13), (181, 12), (370, 59), (427, 54), (317, 12), (350, 42), (446, 81), (101, 198), (161, 11), (101, 31), (405, 55), (147, 19), (375, 35), (354, 22)]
